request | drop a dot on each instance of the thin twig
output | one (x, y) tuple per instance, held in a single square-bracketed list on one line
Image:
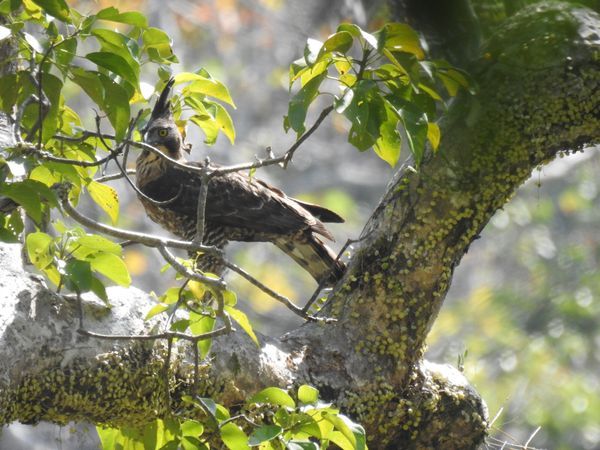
[(20, 111), (178, 304), (280, 298), (153, 337), (216, 283), (196, 369), (142, 238), (200, 213), (321, 285), (114, 176), (290, 153), (166, 367)]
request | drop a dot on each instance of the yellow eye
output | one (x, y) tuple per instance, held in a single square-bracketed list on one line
[(163, 132)]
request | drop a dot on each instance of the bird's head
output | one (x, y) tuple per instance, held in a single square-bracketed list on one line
[(161, 130)]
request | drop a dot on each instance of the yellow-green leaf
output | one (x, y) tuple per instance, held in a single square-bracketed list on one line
[(242, 321), (274, 396), (433, 135), (206, 86), (112, 267), (233, 437), (106, 197), (156, 309), (308, 394), (38, 249)]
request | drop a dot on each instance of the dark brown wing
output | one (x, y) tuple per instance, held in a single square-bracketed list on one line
[(320, 212), (252, 210)]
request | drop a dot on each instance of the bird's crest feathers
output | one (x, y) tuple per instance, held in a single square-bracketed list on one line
[(162, 108)]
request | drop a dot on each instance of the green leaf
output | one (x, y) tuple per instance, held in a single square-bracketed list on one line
[(112, 267), (94, 242), (38, 249), (4, 32), (300, 102), (79, 275), (206, 86), (209, 126), (66, 51), (389, 143), (52, 88), (225, 123), (416, 126), (243, 322), (433, 135), (301, 445), (352, 431), (233, 437), (264, 433), (308, 394), (453, 80), (90, 82), (155, 310), (11, 227), (109, 437), (24, 194), (339, 42), (116, 64), (229, 298), (312, 51), (97, 287), (159, 41), (131, 18), (356, 31), (116, 105), (56, 8), (344, 101), (273, 396), (105, 197), (8, 92), (33, 43), (367, 113), (201, 325), (108, 95), (115, 42), (192, 428), (399, 37)]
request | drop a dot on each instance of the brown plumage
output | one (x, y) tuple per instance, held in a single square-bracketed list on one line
[(238, 208)]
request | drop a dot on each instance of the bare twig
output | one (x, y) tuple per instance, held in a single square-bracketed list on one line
[(202, 196), (153, 337), (178, 304), (165, 374), (75, 162), (142, 238), (216, 283), (18, 116), (280, 298), (290, 153), (196, 369), (321, 285), (114, 176)]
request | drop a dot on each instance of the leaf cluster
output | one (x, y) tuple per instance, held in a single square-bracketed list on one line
[(382, 83), (271, 420)]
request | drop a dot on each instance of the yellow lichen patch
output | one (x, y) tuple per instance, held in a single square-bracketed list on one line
[(123, 388)]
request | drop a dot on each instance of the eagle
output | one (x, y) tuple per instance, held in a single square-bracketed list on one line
[(238, 207)]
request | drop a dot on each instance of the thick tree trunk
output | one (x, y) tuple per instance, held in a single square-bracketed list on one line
[(538, 95)]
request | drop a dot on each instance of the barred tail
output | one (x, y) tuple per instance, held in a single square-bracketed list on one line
[(314, 256)]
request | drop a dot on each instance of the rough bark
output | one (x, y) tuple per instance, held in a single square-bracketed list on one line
[(538, 95)]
